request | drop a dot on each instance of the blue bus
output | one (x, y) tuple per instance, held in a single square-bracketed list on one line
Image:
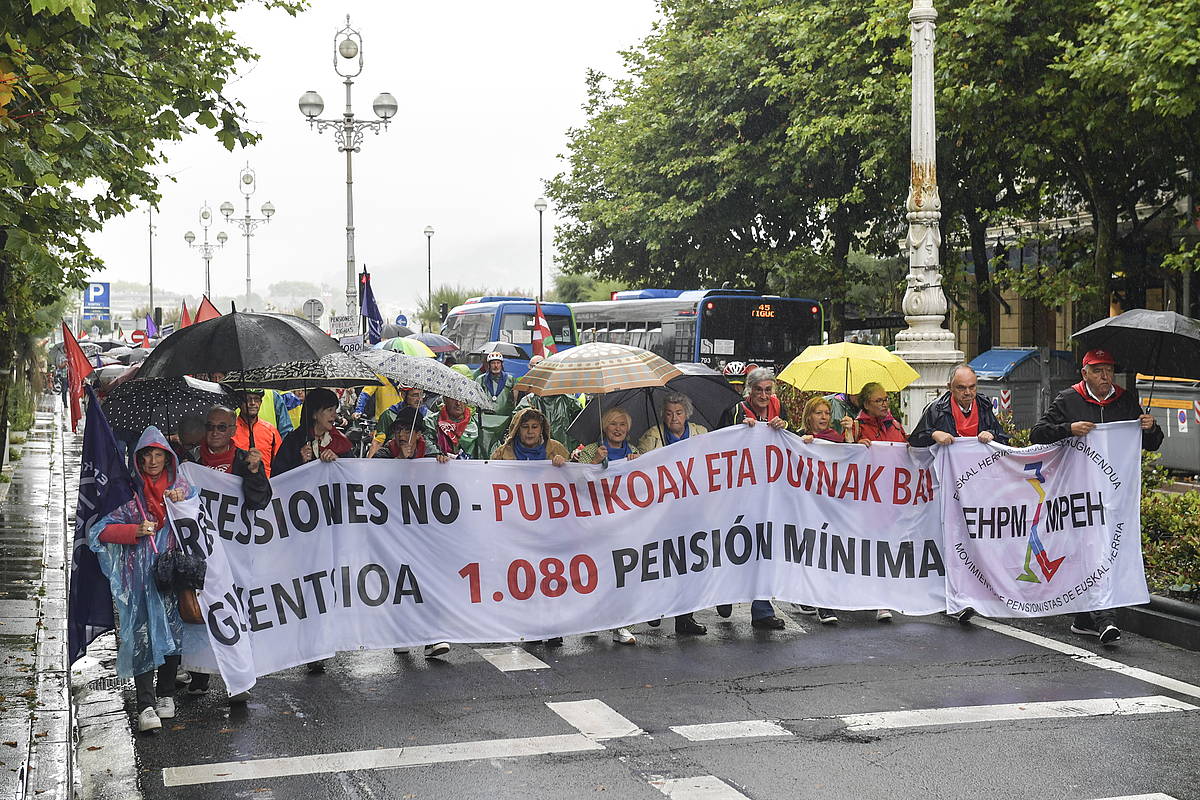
[(505, 319), (715, 327)]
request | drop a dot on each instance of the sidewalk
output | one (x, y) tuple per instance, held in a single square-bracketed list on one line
[(36, 748)]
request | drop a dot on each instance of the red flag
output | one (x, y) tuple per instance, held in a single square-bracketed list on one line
[(543, 339), (186, 318), (78, 368), (206, 311)]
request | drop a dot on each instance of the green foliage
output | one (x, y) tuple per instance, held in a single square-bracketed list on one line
[(429, 316), (14, 454), (581, 287), (1171, 542), (20, 406)]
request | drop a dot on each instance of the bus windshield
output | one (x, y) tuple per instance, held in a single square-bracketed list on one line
[(517, 327), (767, 332)]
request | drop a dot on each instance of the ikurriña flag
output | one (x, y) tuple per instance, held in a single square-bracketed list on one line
[(104, 485), (543, 339)]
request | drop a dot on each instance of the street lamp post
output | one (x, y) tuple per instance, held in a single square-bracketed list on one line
[(348, 132), (429, 265), (925, 344), (247, 183), (540, 206), (206, 248)]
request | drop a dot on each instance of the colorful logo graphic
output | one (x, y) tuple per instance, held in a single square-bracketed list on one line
[(1036, 550)]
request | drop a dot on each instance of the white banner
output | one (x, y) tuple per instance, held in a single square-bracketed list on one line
[(359, 554), (1050, 529)]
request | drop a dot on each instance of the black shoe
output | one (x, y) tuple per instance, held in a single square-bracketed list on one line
[(1110, 634), (826, 617), (554, 641), (767, 624), (654, 623), (316, 667), (965, 615), (689, 625), (1084, 631), (807, 611), (725, 611)]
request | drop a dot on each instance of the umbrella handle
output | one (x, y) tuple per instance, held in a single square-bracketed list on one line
[(1154, 375)]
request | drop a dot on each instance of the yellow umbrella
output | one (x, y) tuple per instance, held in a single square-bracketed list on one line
[(846, 367)]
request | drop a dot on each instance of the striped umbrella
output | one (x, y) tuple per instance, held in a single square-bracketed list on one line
[(597, 368), (409, 347)]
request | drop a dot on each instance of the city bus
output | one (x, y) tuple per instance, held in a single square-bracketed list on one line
[(505, 319), (715, 327)]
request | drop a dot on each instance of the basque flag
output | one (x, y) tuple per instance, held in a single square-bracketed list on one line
[(543, 339), (104, 485), (371, 311)]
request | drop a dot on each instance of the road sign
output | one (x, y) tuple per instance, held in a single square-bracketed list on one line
[(352, 344), (139, 338), (1181, 416), (402, 319), (96, 295), (343, 326), (313, 309)]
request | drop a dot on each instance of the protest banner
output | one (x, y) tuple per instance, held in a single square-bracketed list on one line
[(1049, 529), (359, 554)]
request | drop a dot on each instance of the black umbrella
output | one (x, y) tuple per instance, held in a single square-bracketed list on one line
[(1160, 343), (709, 391), (334, 370), (391, 330), (238, 341), (506, 349), (137, 404)]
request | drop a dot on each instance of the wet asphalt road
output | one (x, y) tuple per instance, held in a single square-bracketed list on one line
[(803, 679)]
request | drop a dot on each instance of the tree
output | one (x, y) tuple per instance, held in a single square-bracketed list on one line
[(429, 315), (88, 91)]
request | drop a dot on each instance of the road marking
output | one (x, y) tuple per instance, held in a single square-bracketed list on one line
[(731, 730), (701, 787), (595, 719), (510, 659), (1090, 658), (1102, 706), (1154, 796), (387, 758)]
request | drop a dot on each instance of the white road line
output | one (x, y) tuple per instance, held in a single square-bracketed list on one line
[(510, 659), (701, 787), (1154, 796), (1090, 658), (731, 730), (388, 758), (1103, 706), (595, 719)]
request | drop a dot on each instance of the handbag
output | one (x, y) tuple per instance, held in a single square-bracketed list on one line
[(189, 607)]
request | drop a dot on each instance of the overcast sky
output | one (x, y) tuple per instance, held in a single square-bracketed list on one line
[(486, 91)]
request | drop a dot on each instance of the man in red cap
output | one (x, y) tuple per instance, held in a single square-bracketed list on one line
[(1075, 412)]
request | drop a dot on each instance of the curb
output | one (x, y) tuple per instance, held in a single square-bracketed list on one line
[(1164, 619)]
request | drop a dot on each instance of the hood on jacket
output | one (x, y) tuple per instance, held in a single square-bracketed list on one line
[(153, 437), (514, 428)]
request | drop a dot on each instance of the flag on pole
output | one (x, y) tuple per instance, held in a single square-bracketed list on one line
[(206, 311), (118, 331), (151, 328), (371, 311), (104, 485), (185, 319), (78, 368), (543, 339)]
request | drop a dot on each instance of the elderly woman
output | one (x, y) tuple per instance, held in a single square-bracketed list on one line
[(613, 446), (676, 410), (127, 542), (316, 437), (876, 424), (761, 403), (529, 439)]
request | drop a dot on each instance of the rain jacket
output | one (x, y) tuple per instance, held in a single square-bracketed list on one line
[(586, 453), (507, 452), (939, 417), (560, 411), (655, 438), (493, 424), (466, 441), (147, 620), (1074, 404)]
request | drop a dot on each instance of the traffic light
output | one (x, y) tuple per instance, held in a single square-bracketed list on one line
[(443, 310)]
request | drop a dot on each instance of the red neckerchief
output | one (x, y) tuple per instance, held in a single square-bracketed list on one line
[(773, 406), (449, 428), (418, 451), (154, 490), (221, 462), (1081, 387), (965, 426), (830, 435)]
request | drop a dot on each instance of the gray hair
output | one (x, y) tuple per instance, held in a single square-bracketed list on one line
[(679, 399), (221, 410), (757, 375), (954, 370)]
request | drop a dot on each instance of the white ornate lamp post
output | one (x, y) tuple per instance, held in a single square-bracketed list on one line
[(429, 264), (925, 344), (206, 249), (348, 132), (540, 206), (247, 223)]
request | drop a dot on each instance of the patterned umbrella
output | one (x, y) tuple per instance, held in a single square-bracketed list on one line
[(409, 347), (427, 374), (435, 342), (598, 368), (135, 405), (336, 370)]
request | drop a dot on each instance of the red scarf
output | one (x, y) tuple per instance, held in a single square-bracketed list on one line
[(1081, 387), (156, 507), (452, 430), (418, 452), (773, 406), (221, 462), (829, 435), (338, 443), (964, 425)]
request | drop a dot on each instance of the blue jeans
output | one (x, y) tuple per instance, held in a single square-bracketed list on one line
[(761, 609)]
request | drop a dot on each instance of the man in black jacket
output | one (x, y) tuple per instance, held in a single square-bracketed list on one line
[(1075, 412), (958, 412)]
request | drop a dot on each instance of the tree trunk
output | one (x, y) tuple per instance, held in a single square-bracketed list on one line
[(977, 231), (840, 260), (1106, 257)]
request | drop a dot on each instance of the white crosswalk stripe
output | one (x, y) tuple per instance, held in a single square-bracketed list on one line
[(731, 730), (510, 659), (1103, 706), (700, 787), (595, 719)]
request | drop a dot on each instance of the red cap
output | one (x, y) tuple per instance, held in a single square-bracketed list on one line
[(1098, 357)]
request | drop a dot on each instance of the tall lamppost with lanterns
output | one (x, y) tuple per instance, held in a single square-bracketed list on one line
[(429, 265), (540, 206), (247, 223), (348, 132), (206, 248)]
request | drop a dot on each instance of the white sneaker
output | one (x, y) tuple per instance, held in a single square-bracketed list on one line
[(623, 636), (883, 615), (148, 720), (165, 708), (438, 649)]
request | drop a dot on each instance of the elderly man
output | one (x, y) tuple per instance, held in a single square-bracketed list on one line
[(498, 385), (761, 405), (1075, 412), (266, 436), (960, 412)]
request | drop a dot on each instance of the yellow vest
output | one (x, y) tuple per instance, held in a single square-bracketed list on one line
[(266, 411), (385, 396)]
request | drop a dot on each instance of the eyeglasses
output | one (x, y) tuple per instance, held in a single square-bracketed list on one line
[(220, 426)]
